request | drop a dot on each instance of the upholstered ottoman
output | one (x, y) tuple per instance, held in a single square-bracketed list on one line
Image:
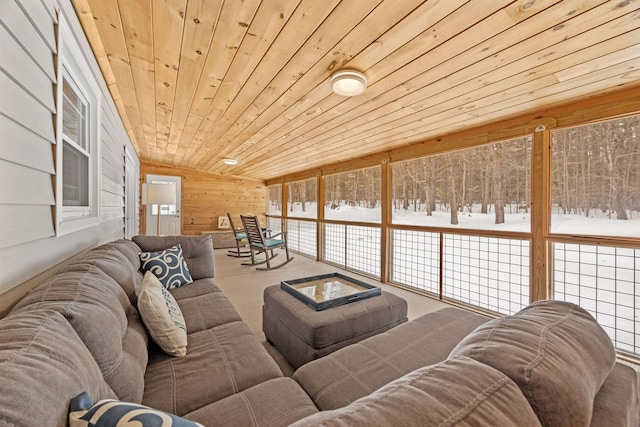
[(302, 334)]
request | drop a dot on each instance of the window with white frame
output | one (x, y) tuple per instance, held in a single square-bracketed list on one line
[(77, 153)]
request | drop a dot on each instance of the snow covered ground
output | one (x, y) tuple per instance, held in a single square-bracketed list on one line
[(601, 225)]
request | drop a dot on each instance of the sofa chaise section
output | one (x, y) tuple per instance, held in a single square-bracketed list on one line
[(359, 369)]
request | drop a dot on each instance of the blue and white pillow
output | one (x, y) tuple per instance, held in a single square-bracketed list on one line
[(111, 413), (168, 266)]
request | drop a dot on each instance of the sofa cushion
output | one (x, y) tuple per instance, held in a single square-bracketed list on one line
[(197, 251), (108, 413), (207, 311), (197, 288), (277, 402), (456, 392), (555, 351), (616, 403), (221, 361), (127, 377), (96, 307), (168, 266), (355, 371), (162, 316), (120, 261), (43, 364)]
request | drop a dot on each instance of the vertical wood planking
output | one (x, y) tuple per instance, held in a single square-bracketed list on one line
[(205, 197), (168, 24), (200, 21)]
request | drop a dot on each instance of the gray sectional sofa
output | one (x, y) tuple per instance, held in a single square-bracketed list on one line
[(79, 331)]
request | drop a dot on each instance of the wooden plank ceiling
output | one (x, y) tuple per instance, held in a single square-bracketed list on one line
[(197, 81)]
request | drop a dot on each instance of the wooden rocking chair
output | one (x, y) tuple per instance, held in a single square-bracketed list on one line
[(241, 237), (258, 243)]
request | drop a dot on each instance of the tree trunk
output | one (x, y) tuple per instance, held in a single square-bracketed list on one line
[(498, 184), (485, 181), (453, 201)]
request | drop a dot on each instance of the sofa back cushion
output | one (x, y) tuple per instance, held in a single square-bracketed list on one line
[(197, 251), (103, 317), (555, 351), (455, 392), (120, 261), (43, 364)]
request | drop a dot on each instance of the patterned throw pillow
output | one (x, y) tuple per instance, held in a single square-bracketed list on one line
[(110, 413), (168, 266), (162, 316)]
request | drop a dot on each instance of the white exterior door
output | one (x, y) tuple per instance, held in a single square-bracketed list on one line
[(170, 222)]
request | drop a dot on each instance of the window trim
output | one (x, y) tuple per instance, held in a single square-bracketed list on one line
[(72, 65)]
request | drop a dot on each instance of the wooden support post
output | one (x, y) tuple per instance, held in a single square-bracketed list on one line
[(320, 216), (540, 178), (386, 198)]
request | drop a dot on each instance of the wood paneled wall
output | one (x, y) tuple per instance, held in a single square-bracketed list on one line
[(206, 196)]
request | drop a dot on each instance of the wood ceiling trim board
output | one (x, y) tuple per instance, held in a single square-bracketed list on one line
[(107, 19), (168, 24), (138, 37), (344, 112), (410, 23), (594, 64), (200, 22), (137, 27), (265, 26), (123, 74), (363, 119), (229, 37), (306, 19), (143, 79), (83, 10)]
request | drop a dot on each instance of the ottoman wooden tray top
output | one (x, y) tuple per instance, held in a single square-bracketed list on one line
[(303, 333)]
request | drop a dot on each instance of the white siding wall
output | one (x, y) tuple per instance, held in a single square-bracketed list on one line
[(28, 243)]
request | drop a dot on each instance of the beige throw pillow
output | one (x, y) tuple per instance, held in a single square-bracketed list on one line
[(162, 316)]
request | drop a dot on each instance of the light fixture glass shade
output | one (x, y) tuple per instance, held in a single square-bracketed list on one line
[(348, 82), (231, 162)]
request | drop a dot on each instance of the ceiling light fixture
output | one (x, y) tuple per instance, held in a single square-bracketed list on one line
[(348, 82), (230, 162)]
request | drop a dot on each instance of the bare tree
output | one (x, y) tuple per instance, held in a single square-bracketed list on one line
[(498, 183)]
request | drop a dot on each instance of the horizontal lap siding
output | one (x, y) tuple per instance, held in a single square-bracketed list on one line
[(28, 244), (26, 126)]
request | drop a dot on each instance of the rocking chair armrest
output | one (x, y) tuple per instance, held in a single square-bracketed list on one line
[(282, 233)]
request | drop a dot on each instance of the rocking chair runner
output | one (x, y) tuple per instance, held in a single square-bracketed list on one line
[(258, 243), (240, 237)]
